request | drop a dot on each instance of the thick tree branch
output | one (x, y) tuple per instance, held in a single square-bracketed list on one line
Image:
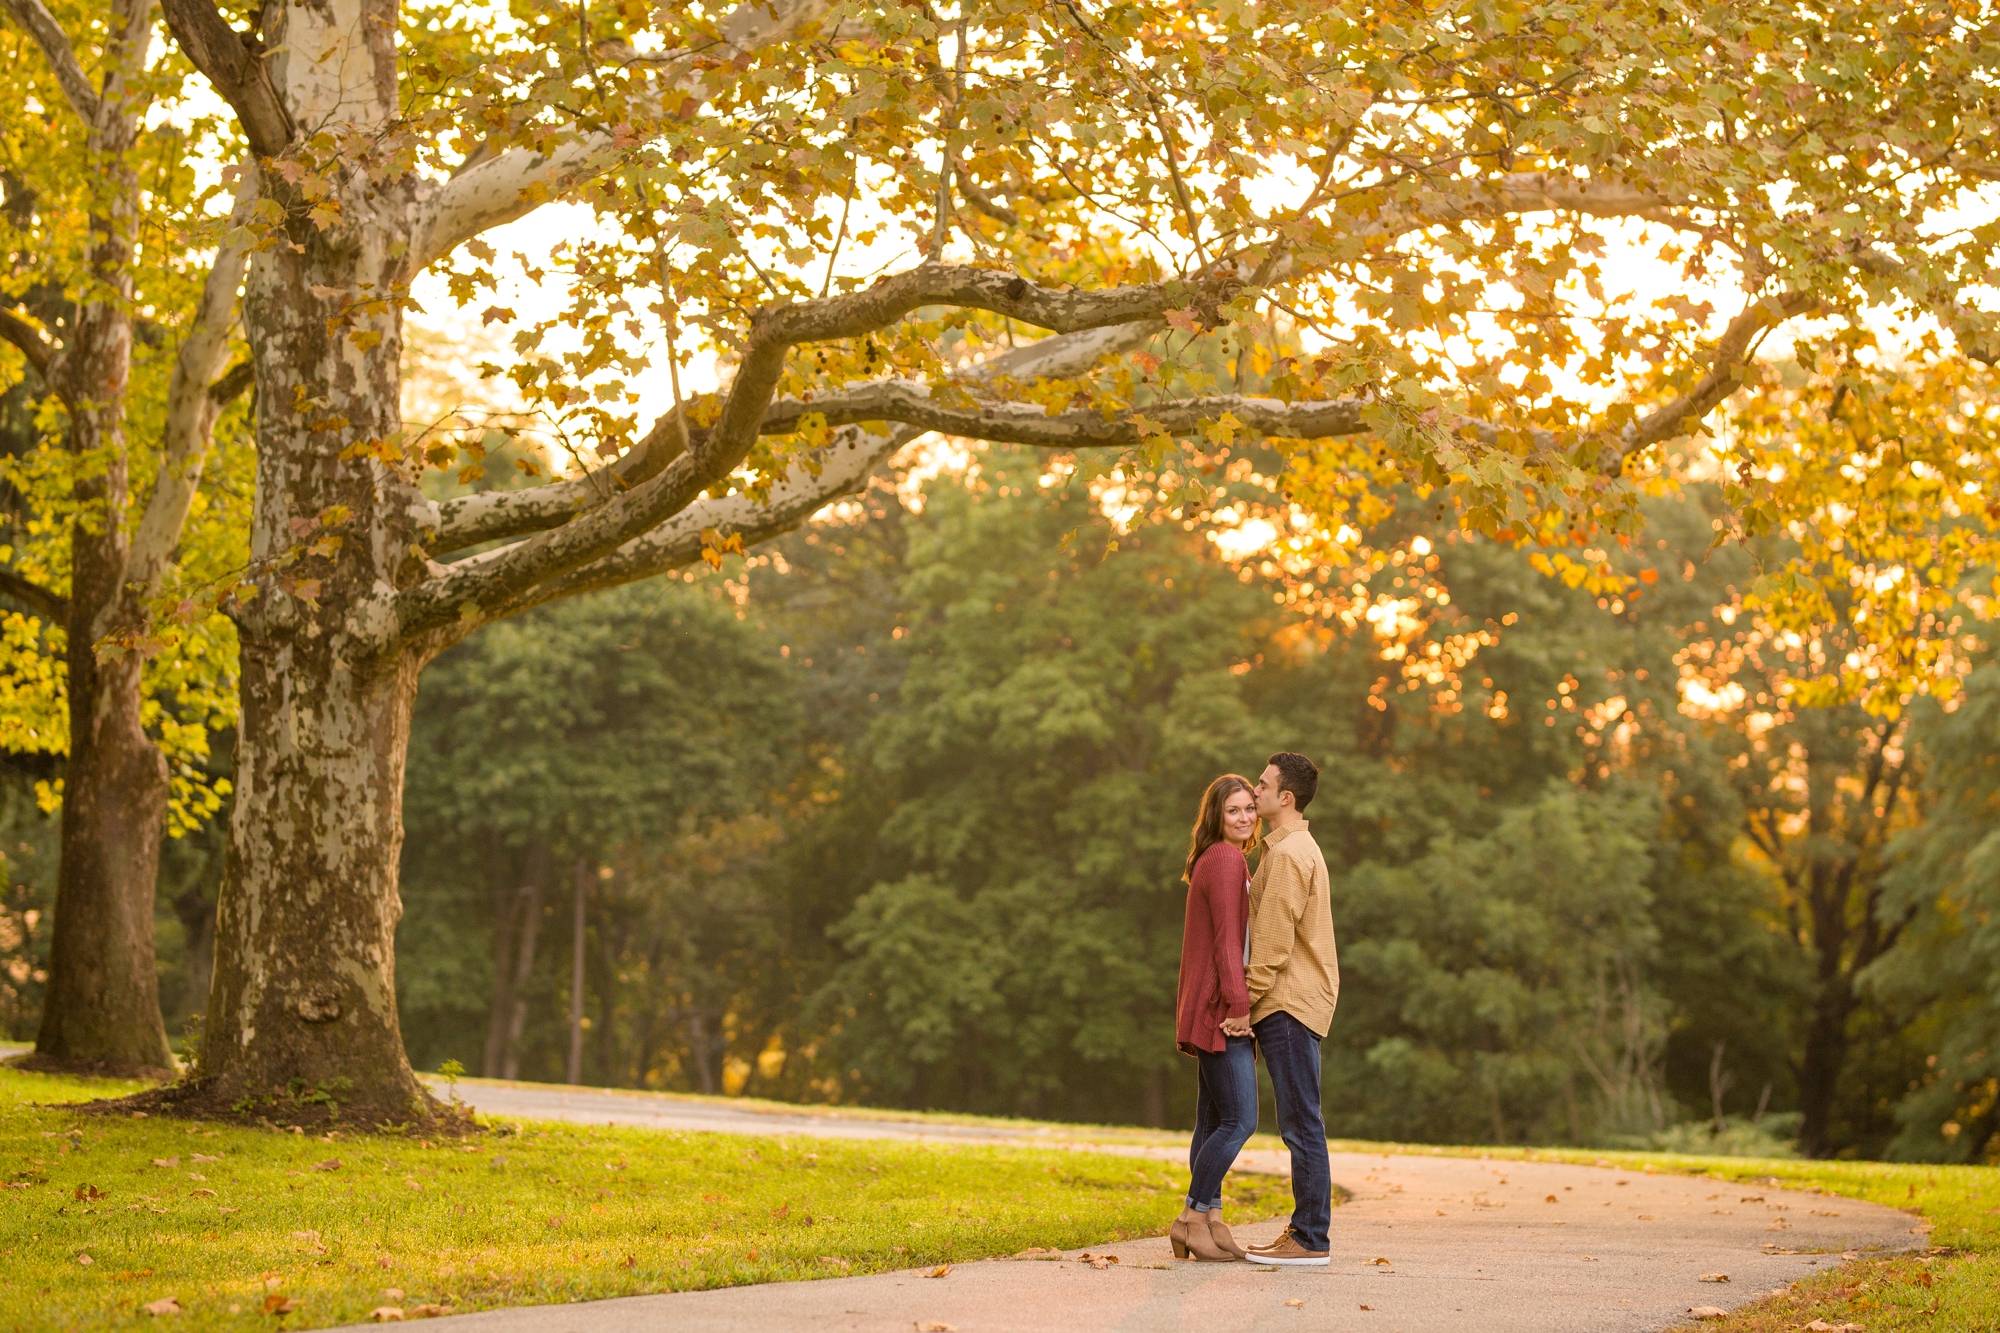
[(30, 341), (500, 188), (911, 404), (50, 606), (491, 582), (41, 25), (496, 515), (228, 59), (1724, 377), (192, 407), (233, 383)]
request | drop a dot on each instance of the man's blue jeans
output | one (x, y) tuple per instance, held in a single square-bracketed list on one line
[(1225, 1116), (1291, 1053)]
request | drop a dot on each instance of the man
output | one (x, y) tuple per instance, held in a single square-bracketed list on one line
[(1294, 980)]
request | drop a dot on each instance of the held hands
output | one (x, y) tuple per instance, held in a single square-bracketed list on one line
[(1236, 1027)]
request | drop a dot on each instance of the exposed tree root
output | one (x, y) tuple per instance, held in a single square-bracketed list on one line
[(34, 1062), (302, 1109)]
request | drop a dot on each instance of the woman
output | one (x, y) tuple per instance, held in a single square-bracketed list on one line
[(1214, 943)]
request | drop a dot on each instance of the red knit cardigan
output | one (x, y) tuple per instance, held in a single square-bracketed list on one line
[(1211, 986)]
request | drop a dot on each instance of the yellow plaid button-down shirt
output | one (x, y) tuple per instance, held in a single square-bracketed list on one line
[(1293, 962)]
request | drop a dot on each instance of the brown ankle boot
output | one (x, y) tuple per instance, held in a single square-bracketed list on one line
[(1220, 1237), (1203, 1246), (1177, 1237)]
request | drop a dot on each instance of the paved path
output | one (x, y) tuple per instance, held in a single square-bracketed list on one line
[(1470, 1244)]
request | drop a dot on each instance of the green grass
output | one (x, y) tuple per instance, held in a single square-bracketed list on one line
[(548, 1213)]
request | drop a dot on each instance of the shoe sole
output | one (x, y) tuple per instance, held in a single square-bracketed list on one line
[(1321, 1262)]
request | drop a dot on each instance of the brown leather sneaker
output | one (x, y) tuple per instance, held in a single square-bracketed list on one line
[(1286, 1250)]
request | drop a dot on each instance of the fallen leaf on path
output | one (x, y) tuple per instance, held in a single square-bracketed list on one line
[(1376, 1261), (1590, 1258), (1099, 1261), (1550, 1199), (1707, 1312), (1368, 1307), (1295, 1303), (934, 1326), (1037, 1252), (1715, 1277), (164, 1305), (1780, 1225), (939, 1271), (384, 1314), (1645, 1217)]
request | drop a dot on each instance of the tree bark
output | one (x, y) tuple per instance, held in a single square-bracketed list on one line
[(102, 1008), (1824, 1056), (101, 1011)]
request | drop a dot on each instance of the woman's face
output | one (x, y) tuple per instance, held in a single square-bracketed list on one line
[(1239, 817)]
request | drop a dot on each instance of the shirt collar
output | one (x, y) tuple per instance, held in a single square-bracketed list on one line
[(1278, 835)]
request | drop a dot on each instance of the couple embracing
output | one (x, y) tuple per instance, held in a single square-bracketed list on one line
[(1258, 975)]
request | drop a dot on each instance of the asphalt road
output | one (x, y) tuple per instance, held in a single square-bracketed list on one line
[(1470, 1244)]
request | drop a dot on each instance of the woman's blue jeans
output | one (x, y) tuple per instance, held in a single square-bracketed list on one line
[(1225, 1116)]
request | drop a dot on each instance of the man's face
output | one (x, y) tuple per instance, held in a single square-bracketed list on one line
[(1270, 801)]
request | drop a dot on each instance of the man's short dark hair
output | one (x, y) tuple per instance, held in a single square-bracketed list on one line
[(1297, 775)]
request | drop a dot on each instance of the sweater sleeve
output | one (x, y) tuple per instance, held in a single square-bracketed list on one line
[(1223, 883)]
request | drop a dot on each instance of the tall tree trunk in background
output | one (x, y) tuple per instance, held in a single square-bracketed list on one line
[(102, 1007), (574, 1068), (537, 874), (197, 917), (504, 893), (704, 1052)]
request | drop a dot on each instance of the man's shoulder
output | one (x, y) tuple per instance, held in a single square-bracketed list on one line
[(1300, 845)]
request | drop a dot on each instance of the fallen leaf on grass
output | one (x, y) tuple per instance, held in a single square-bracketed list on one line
[(939, 1271), (383, 1314), (330, 1164), (1715, 1277), (392, 1294), (90, 1193), (835, 1261), (203, 1157), (1821, 1326), (628, 1262), (85, 1260), (168, 1162), (202, 1193), (164, 1305), (1707, 1312), (428, 1310), (279, 1303)]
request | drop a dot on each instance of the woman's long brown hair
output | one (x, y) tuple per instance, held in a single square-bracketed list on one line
[(1208, 824)]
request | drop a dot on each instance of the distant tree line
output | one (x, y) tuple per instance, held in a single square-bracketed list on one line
[(892, 813)]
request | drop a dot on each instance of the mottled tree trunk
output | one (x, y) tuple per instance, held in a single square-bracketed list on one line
[(304, 998)]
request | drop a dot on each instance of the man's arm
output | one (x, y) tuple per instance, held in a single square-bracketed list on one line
[(1274, 926)]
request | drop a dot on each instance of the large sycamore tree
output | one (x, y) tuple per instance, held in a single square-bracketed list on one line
[(1011, 221)]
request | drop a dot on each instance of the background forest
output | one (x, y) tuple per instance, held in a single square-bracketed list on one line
[(881, 817)]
